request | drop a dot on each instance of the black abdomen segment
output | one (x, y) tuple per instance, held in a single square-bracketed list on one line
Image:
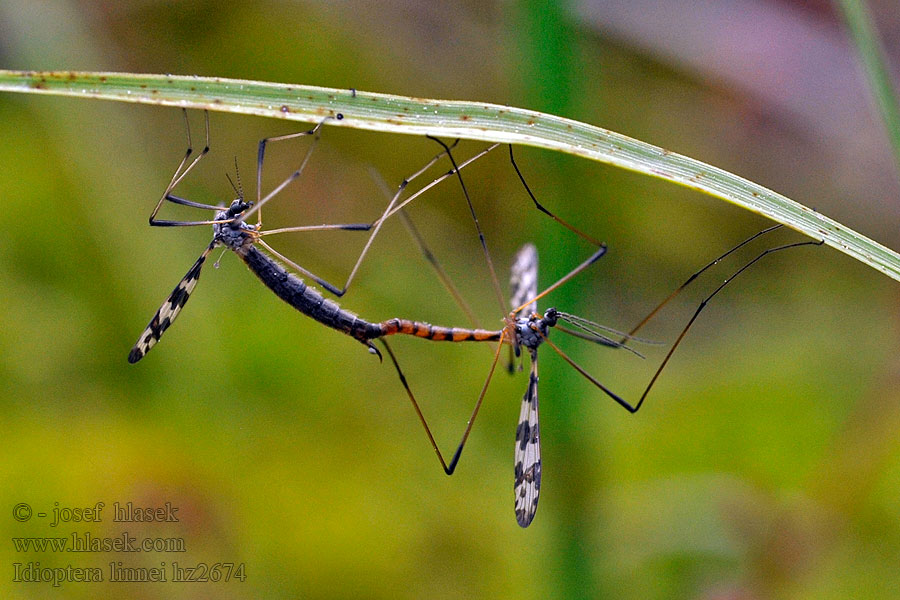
[(307, 300), (310, 302)]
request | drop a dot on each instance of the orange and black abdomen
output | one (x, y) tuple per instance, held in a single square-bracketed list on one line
[(310, 302), (437, 333)]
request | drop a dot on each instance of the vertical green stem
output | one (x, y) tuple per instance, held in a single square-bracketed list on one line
[(872, 55)]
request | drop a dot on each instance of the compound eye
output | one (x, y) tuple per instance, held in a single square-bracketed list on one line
[(238, 206)]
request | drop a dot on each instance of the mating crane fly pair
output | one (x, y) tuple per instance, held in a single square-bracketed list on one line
[(524, 327)]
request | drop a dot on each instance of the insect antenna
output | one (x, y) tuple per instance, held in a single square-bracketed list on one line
[(595, 328), (234, 187), (238, 189), (590, 331)]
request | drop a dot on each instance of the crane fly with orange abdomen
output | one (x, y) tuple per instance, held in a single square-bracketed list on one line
[(523, 326)]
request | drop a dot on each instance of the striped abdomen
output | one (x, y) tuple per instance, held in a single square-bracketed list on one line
[(436, 333), (310, 302), (307, 300)]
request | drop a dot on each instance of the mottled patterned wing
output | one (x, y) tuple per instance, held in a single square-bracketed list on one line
[(169, 310), (528, 452), (523, 280)]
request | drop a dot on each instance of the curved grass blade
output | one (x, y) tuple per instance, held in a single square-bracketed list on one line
[(463, 119)]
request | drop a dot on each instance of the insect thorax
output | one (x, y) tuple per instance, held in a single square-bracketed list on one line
[(231, 233), (532, 329)]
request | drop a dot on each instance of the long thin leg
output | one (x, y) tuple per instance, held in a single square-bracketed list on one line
[(439, 269), (428, 254), (634, 408), (260, 157), (456, 171), (325, 227), (515, 165), (395, 206), (590, 260), (184, 202), (179, 174), (690, 279), (487, 255), (296, 267), (450, 467), (438, 180), (375, 227), (543, 209)]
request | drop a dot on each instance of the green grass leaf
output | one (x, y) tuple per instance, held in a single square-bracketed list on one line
[(468, 120)]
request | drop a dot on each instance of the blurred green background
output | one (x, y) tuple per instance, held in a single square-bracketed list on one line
[(765, 464)]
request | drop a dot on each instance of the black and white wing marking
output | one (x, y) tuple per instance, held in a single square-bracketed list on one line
[(528, 452), (169, 310), (523, 280)]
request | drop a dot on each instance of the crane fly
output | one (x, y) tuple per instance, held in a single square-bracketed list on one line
[(231, 230), (526, 328), (523, 326)]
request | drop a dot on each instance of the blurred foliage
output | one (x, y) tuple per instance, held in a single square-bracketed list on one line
[(766, 463)]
